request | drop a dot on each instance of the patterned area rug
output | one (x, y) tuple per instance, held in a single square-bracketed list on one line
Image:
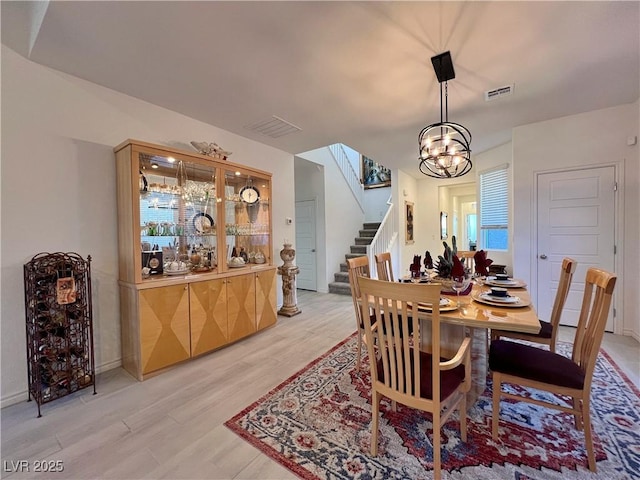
[(317, 424)]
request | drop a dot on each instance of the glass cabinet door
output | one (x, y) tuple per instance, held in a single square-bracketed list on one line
[(178, 215), (247, 219)]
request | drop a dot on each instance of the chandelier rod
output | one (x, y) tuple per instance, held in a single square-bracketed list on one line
[(446, 101)]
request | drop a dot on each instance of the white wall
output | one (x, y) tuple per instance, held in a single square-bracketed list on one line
[(343, 216), (589, 139), (405, 189), (375, 203), (59, 190)]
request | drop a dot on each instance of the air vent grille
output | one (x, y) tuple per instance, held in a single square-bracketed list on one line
[(498, 92), (273, 127)]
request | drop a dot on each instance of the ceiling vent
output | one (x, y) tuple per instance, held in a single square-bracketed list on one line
[(273, 127), (498, 92)]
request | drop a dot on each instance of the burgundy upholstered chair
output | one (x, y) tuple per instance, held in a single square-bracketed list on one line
[(528, 366), (402, 372)]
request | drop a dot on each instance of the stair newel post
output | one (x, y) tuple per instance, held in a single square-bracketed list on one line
[(288, 271)]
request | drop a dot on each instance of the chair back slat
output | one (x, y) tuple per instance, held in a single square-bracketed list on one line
[(569, 266), (598, 293), (384, 269)]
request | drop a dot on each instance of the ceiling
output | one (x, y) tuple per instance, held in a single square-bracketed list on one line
[(352, 72)]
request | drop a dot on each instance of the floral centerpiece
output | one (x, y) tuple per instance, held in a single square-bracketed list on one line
[(449, 266)]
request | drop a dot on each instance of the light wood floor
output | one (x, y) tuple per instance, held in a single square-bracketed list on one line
[(171, 426)]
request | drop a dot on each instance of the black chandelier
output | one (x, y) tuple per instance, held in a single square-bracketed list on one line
[(444, 147)]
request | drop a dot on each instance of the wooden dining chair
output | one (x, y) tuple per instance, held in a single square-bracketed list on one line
[(467, 259), (402, 372), (383, 266), (358, 267), (529, 366), (548, 330)]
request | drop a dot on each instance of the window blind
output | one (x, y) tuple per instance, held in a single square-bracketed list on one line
[(494, 199)]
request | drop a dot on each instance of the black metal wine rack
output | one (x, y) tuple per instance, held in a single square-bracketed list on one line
[(60, 356)]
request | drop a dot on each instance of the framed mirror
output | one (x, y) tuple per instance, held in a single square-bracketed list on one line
[(443, 225)]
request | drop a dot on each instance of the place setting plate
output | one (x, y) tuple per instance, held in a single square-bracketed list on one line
[(508, 301), (509, 283), (446, 305)]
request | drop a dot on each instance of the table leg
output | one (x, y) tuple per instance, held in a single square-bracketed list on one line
[(479, 363)]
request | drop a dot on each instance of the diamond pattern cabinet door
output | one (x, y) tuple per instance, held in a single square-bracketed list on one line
[(208, 304), (241, 306), (266, 308), (164, 327)]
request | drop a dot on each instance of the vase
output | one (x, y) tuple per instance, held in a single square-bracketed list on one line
[(287, 254), (195, 258)]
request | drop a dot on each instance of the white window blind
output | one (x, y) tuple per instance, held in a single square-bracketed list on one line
[(494, 209), (494, 199)]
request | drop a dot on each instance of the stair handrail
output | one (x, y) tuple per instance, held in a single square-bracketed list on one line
[(348, 172), (385, 237)]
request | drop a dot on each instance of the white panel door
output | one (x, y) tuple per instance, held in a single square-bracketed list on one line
[(306, 245), (576, 218)]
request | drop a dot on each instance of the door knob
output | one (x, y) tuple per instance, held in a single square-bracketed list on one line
[(313, 250), (543, 256)]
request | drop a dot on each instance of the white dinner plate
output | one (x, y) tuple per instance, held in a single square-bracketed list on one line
[(500, 299), (510, 301)]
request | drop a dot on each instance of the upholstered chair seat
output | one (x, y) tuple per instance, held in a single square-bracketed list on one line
[(533, 363)]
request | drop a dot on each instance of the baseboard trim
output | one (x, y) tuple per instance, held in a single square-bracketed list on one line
[(105, 367), (23, 396), (13, 399), (631, 333)]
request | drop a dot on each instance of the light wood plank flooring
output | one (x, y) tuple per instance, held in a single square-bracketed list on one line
[(171, 426)]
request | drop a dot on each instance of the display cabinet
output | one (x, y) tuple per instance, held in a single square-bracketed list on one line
[(192, 221), (59, 324), (183, 214)]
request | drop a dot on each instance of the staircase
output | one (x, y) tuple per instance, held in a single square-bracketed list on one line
[(340, 285)]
